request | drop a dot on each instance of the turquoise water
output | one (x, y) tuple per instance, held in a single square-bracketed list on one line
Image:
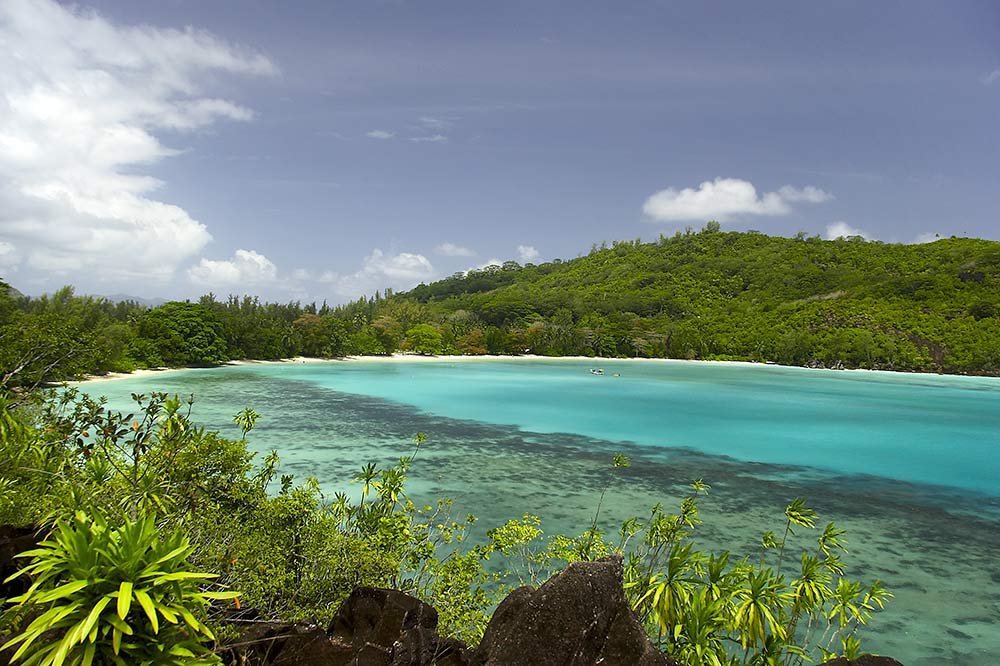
[(908, 464)]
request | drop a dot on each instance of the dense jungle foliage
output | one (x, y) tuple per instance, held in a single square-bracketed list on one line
[(156, 528), (705, 295)]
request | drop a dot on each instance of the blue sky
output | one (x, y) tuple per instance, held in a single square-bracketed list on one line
[(322, 150)]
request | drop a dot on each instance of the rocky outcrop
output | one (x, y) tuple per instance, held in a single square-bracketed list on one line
[(14, 540), (379, 627), (578, 618)]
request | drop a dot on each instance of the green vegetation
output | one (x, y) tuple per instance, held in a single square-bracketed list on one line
[(113, 595), (156, 525), (705, 295), (732, 296)]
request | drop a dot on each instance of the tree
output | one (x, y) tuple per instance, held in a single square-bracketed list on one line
[(424, 339), (179, 333), (313, 334), (41, 348)]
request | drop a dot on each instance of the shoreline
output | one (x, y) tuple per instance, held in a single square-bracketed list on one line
[(420, 358)]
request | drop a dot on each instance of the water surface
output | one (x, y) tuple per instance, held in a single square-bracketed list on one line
[(908, 464)]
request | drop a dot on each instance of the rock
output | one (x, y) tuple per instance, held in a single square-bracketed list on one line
[(578, 618), (14, 540), (308, 645), (389, 628), (863, 660)]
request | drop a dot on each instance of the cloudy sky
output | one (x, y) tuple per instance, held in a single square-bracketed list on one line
[(325, 149)]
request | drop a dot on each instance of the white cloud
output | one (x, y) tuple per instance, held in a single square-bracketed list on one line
[(725, 198), (9, 258), (527, 253), (434, 138), (380, 134), (492, 262), (841, 229), (405, 266), (808, 194), (991, 78), (434, 123), (378, 271), (452, 250), (82, 100), (926, 237), (245, 268)]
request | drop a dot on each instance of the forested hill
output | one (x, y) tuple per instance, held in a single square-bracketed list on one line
[(741, 296), (705, 295)]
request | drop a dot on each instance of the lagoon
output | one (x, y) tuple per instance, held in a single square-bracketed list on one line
[(909, 464)]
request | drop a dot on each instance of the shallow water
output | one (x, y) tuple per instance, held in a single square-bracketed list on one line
[(909, 464)]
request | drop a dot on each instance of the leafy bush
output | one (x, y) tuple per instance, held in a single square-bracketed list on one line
[(113, 595)]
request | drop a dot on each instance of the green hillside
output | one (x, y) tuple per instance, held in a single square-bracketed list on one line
[(746, 296), (707, 295)]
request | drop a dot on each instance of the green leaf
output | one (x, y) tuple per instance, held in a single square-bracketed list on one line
[(147, 605), (124, 598), (88, 654), (182, 575), (180, 550), (219, 595), (84, 628), (168, 615), (120, 625), (61, 592)]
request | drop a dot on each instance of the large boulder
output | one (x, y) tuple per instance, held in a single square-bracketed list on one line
[(578, 618), (388, 628), (15, 540)]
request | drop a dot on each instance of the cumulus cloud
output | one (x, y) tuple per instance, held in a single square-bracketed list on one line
[(402, 267), (434, 138), (82, 101), (991, 78), (452, 250), (723, 199), (492, 262), (9, 257), (380, 134), (809, 194), (434, 123), (926, 237), (378, 271), (841, 229), (527, 253), (245, 268)]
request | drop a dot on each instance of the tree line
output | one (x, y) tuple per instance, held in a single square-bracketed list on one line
[(695, 295)]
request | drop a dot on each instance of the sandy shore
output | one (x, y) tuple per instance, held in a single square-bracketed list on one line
[(596, 362), (410, 358)]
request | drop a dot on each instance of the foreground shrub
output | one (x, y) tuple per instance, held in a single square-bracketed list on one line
[(105, 594)]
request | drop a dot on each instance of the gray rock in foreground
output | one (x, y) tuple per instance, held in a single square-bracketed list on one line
[(578, 618)]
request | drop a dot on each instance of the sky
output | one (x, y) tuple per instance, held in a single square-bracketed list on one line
[(322, 150)]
